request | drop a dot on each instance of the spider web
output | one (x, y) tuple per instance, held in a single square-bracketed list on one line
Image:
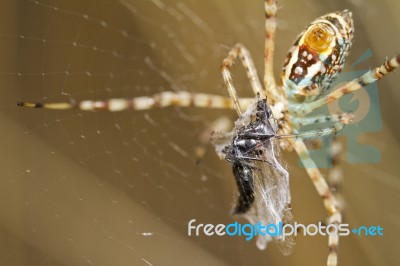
[(119, 188)]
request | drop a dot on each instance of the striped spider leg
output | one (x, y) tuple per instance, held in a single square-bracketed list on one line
[(315, 59), (298, 74)]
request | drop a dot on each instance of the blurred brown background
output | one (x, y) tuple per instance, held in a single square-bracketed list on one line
[(119, 188)]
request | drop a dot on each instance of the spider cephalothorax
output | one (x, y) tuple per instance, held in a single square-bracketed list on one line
[(318, 55)]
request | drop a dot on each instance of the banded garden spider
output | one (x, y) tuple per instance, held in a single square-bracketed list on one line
[(314, 60)]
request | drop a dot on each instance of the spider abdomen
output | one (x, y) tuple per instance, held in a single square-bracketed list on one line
[(318, 54)]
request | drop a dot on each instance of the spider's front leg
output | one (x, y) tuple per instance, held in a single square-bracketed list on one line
[(269, 46), (274, 93), (240, 51), (330, 203), (159, 100)]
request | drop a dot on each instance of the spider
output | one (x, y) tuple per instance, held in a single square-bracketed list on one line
[(315, 59)]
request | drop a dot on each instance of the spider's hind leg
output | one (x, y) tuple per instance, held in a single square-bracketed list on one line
[(339, 121), (343, 118), (335, 174), (329, 200)]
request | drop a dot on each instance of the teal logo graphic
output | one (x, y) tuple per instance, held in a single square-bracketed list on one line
[(364, 105)]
